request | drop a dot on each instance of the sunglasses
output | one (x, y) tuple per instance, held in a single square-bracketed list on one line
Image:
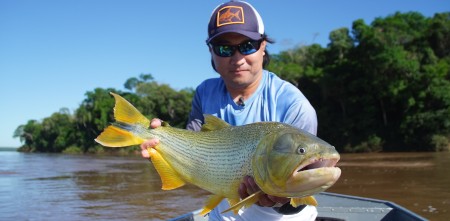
[(245, 48)]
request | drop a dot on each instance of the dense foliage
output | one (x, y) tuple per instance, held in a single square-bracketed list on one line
[(66, 132), (378, 87), (384, 86)]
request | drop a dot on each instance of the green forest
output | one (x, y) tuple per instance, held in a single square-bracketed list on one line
[(383, 86)]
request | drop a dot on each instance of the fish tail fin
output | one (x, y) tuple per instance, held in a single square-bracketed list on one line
[(250, 200), (126, 116), (309, 200), (211, 203), (114, 136), (126, 113)]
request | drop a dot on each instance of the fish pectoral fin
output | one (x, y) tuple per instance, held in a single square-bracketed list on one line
[(213, 123), (169, 177), (309, 200), (247, 202), (211, 203), (113, 136)]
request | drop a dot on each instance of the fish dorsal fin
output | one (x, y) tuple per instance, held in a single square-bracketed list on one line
[(211, 203), (169, 177), (213, 123), (127, 113), (309, 200), (247, 202)]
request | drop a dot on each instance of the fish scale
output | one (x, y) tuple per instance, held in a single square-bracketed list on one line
[(217, 158), (224, 158)]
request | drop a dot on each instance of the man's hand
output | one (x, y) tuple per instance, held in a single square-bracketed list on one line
[(154, 123), (249, 187)]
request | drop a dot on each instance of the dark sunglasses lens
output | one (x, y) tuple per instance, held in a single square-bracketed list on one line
[(245, 48), (223, 50), (249, 47)]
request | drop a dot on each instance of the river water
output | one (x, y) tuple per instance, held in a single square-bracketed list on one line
[(94, 187)]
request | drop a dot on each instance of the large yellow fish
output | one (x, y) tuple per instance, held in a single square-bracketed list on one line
[(283, 160)]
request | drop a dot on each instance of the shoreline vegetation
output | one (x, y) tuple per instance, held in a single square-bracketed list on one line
[(379, 87)]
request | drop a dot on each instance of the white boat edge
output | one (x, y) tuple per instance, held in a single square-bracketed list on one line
[(337, 207)]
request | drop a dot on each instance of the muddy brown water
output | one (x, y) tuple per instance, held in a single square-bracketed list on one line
[(93, 187)]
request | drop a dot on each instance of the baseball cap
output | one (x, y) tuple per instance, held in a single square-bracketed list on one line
[(237, 17)]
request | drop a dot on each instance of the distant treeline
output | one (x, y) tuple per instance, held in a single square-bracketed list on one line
[(75, 133), (378, 87)]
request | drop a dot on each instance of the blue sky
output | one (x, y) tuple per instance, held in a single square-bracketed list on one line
[(53, 51)]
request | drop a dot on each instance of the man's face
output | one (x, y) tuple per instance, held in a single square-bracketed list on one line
[(238, 71)]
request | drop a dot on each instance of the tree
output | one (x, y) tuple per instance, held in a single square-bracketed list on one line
[(133, 82), (380, 85), (53, 134), (94, 114), (27, 134), (161, 101)]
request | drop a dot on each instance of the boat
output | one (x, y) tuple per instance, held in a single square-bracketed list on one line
[(339, 207)]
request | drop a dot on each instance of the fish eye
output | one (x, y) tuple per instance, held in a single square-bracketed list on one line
[(301, 150)]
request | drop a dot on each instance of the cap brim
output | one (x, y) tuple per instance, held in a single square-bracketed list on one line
[(250, 34)]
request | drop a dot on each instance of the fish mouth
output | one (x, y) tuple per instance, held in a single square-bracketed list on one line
[(316, 163), (313, 176)]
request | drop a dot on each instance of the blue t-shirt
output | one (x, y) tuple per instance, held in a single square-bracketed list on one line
[(274, 100)]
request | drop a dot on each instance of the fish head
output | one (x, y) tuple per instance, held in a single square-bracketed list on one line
[(294, 163)]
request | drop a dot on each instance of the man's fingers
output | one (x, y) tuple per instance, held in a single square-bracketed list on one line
[(278, 199), (249, 186), (148, 144), (252, 187), (155, 122), (145, 154), (265, 201), (243, 191)]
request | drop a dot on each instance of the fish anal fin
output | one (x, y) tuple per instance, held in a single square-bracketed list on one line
[(211, 203), (233, 202), (309, 200), (247, 202), (113, 136), (213, 123), (169, 177), (127, 113)]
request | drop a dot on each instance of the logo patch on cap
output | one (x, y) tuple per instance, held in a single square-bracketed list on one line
[(230, 15)]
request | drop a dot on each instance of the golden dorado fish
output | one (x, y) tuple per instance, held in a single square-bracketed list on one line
[(283, 160)]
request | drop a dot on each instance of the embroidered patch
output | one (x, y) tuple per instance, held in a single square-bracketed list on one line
[(230, 15)]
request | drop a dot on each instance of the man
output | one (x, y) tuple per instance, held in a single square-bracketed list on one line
[(246, 93)]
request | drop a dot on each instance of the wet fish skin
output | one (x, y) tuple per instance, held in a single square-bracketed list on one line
[(283, 160)]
